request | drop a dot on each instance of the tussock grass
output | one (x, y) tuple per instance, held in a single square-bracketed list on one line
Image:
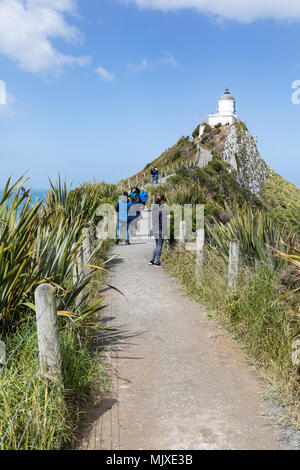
[(39, 244)]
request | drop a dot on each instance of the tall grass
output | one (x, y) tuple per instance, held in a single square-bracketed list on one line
[(38, 244), (256, 232), (51, 410)]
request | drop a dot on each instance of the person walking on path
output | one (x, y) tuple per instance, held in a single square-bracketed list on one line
[(159, 229), (133, 193), (122, 208), (137, 191), (156, 173), (152, 175), (134, 213), (143, 197)]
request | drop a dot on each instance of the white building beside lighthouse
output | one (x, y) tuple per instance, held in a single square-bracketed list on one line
[(226, 113)]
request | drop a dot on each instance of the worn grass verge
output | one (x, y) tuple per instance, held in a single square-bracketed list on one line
[(262, 323)]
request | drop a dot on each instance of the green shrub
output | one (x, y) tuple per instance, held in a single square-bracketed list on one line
[(196, 132)]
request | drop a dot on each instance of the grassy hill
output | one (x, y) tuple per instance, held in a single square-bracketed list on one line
[(237, 175)]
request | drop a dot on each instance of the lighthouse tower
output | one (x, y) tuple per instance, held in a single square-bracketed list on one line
[(226, 113)]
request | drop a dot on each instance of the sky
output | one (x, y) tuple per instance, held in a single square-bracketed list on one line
[(96, 89)]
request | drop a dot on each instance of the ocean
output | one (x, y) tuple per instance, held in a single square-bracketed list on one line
[(36, 194)]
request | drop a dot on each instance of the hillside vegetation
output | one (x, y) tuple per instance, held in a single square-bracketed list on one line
[(236, 175)]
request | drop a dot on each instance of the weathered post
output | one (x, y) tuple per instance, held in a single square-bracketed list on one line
[(233, 271), (2, 352), (153, 199), (92, 231), (47, 329), (77, 272), (78, 265), (200, 243), (86, 250), (182, 234)]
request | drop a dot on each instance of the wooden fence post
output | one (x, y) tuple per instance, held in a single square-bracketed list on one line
[(86, 250), (182, 234), (47, 329), (78, 265), (233, 270), (200, 243), (92, 232)]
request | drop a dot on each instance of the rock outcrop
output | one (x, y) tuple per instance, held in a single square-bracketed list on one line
[(236, 145)]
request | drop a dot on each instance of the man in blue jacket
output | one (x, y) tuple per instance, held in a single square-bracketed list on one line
[(143, 196), (122, 208)]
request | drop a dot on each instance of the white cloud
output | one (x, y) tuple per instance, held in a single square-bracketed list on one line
[(105, 75), (145, 64), (27, 28), (239, 10)]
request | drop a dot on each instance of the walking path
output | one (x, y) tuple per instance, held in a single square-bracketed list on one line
[(178, 380)]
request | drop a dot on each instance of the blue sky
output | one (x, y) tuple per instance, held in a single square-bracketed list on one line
[(96, 89)]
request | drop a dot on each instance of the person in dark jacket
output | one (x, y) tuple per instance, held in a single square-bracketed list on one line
[(156, 173), (152, 175), (159, 229), (134, 213), (137, 191)]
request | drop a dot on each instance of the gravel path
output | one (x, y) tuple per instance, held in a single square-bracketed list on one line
[(178, 380)]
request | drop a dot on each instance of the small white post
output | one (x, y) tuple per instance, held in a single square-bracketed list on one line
[(86, 250), (182, 234), (92, 231), (233, 271), (77, 272), (78, 265), (200, 243), (2, 352), (47, 329)]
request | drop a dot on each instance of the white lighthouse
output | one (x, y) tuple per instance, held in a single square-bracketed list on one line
[(226, 113)]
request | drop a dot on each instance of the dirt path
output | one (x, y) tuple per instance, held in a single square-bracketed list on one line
[(179, 381)]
